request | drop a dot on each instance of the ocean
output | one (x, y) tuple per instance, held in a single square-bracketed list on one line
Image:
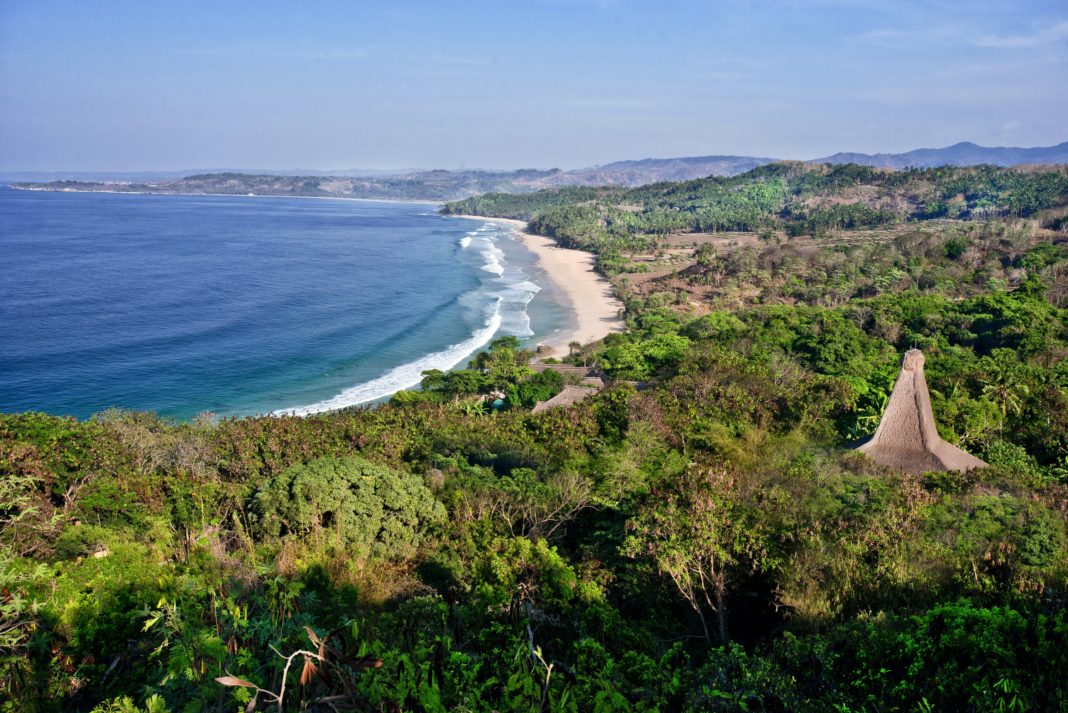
[(235, 306)]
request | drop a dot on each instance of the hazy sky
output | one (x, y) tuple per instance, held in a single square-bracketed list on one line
[(128, 85)]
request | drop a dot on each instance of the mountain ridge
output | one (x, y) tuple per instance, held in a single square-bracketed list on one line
[(444, 185), (962, 153)]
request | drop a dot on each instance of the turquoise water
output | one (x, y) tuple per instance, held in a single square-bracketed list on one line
[(237, 306)]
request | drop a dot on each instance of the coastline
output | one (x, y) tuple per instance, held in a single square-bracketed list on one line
[(578, 303), (417, 201), (592, 301)]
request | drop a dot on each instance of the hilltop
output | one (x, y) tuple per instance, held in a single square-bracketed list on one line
[(964, 153), (794, 197)]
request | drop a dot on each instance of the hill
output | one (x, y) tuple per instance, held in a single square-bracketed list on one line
[(964, 153), (812, 233), (709, 541), (655, 170), (443, 185), (438, 185), (794, 197)]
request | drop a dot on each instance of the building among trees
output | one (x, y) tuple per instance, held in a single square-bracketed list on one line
[(906, 438)]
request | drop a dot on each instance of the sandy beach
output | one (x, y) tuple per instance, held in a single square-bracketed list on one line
[(596, 308)]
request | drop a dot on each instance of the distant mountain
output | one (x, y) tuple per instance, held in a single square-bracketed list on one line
[(441, 185), (91, 176), (963, 154), (656, 170), (156, 176), (422, 185)]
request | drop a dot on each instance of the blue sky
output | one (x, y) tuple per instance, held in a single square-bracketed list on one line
[(125, 85)]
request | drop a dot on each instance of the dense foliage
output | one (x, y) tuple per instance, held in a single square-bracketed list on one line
[(348, 502), (792, 197), (698, 536)]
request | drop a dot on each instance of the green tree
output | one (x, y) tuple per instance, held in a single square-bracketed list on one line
[(374, 509), (1003, 382), (693, 533)]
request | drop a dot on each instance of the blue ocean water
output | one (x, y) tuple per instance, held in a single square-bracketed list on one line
[(244, 305)]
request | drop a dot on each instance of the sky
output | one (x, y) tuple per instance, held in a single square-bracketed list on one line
[(124, 85)]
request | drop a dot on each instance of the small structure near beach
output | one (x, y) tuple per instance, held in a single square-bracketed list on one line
[(906, 438), (570, 395), (586, 375)]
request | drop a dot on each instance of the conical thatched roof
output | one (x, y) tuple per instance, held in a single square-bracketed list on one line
[(906, 438)]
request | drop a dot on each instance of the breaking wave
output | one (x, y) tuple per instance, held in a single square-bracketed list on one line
[(404, 376), (503, 296)]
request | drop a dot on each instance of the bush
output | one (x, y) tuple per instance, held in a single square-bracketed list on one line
[(369, 507), (540, 387), (1013, 458), (83, 541)]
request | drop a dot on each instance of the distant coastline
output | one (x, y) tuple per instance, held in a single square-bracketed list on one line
[(31, 188), (422, 185)]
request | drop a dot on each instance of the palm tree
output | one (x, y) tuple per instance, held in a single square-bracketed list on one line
[(1010, 395), (1005, 386)]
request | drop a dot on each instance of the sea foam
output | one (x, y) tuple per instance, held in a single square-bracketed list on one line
[(404, 376), (509, 291)]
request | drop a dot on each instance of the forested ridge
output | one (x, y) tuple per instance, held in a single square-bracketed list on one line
[(699, 535), (794, 197)]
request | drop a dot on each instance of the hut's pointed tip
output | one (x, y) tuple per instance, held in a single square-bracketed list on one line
[(912, 360)]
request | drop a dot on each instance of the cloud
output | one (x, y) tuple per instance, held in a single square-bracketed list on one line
[(1058, 32), (907, 38), (998, 70), (262, 51), (1011, 126)]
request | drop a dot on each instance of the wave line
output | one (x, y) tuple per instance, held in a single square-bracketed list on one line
[(404, 376)]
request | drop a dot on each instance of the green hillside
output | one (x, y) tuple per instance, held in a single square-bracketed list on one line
[(792, 197), (698, 536)]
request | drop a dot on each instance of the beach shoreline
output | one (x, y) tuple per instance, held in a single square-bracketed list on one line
[(590, 296)]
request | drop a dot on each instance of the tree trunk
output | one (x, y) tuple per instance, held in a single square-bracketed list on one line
[(721, 616), (704, 623)]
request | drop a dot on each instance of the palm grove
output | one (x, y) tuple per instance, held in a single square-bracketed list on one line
[(697, 536)]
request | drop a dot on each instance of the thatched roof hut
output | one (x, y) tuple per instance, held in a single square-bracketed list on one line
[(570, 395), (906, 438)]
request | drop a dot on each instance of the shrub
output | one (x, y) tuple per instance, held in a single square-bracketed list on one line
[(83, 541), (372, 508)]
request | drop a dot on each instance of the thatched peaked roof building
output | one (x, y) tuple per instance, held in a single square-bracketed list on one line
[(570, 395), (906, 438)]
